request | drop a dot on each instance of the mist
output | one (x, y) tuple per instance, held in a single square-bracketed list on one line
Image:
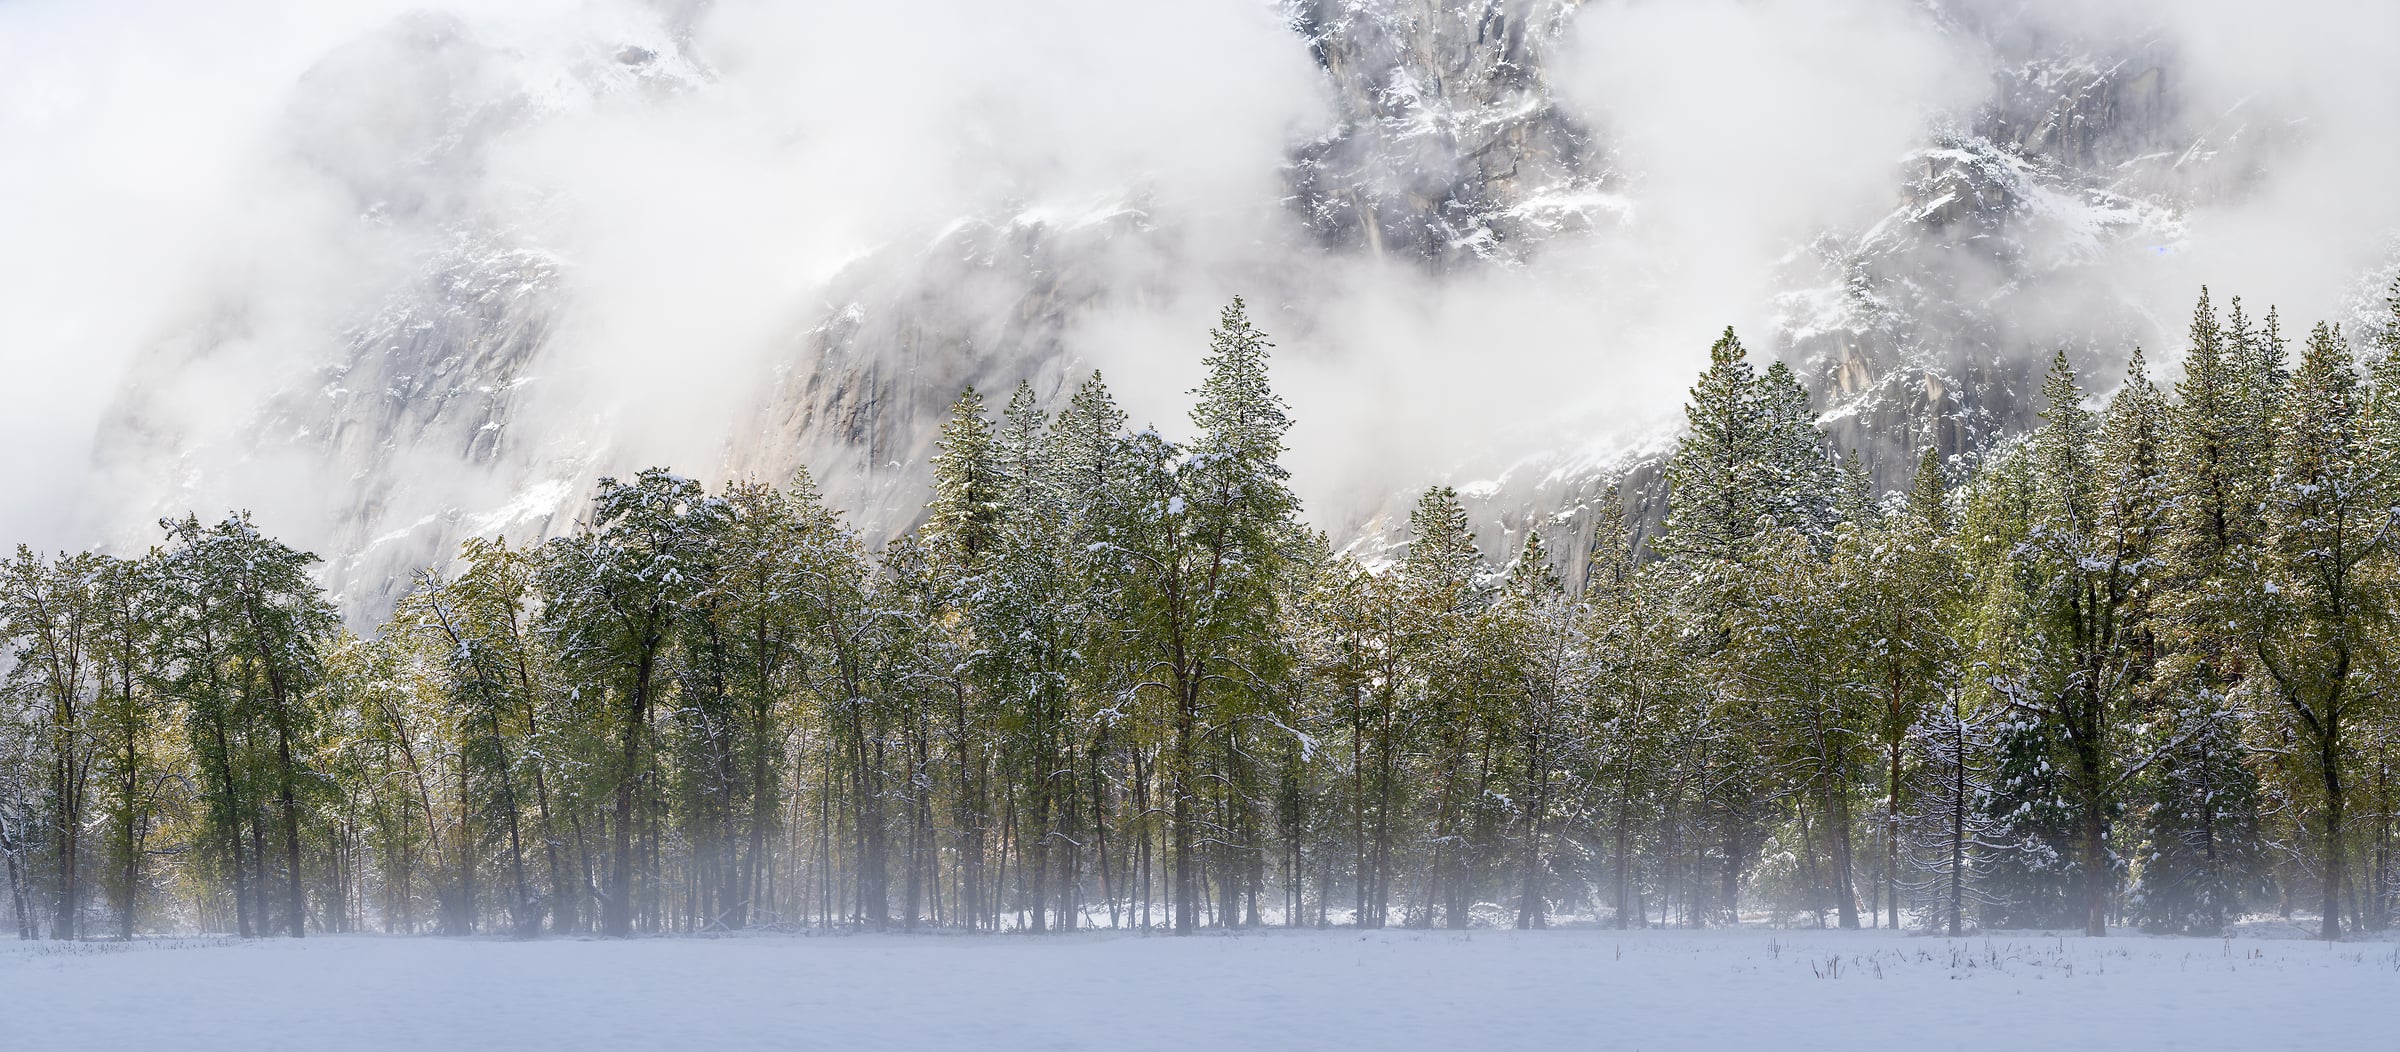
[(210, 204)]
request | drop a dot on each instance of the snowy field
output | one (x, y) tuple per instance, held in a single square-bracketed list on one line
[(1564, 989)]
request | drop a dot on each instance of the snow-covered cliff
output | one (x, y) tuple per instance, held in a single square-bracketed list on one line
[(1439, 145)]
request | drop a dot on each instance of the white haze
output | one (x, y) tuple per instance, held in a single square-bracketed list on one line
[(164, 160), (2323, 75)]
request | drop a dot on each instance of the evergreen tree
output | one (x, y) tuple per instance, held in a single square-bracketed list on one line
[(1203, 559), (2322, 593), (1536, 627), (2089, 558), (1715, 483), (2200, 852), (2145, 644), (1796, 641), (1441, 581), (2018, 839), (52, 608), (1905, 578), (2198, 834), (1749, 460), (614, 589), (1641, 700)]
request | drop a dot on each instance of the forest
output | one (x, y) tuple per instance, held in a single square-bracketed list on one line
[(2134, 668)]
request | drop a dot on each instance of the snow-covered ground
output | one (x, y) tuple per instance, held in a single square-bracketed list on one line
[(1563, 989)]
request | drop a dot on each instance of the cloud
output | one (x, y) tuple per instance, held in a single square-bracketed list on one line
[(1746, 128), (2303, 99), (208, 204), (130, 133), (1736, 131), (215, 200)]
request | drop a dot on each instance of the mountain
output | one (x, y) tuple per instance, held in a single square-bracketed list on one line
[(1444, 146)]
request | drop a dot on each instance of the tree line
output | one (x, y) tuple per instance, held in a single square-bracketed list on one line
[(2133, 667)]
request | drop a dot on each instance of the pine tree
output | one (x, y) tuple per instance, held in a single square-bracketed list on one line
[(1347, 652), (1642, 687), (130, 714), (615, 588), (962, 521), (1026, 632), (2015, 834), (1442, 578), (2321, 592), (1748, 460), (1950, 827), (1798, 636), (1909, 606), (1802, 486), (53, 608), (2197, 832), (2033, 865), (960, 538), (1088, 452), (1714, 482), (2200, 850), (1204, 552), (2096, 493), (1536, 626)]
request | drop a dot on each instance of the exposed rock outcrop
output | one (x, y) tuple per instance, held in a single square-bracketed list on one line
[(1449, 146), (1447, 149)]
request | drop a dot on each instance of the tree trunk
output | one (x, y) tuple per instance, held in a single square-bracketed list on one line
[(1186, 714), (1530, 907), (295, 906), (1358, 808), (616, 907), (1380, 903), (130, 837), (233, 821), (1891, 840), (462, 906), (1845, 887), (18, 901), (2096, 868), (563, 909), (520, 912), (2336, 860), (2379, 879), (1039, 846), (1100, 820), (562, 905), (970, 807), (1622, 850), (1068, 877), (1730, 875), (762, 803), (2089, 725), (1142, 835), (1958, 829)]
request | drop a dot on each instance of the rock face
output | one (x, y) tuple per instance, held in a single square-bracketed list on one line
[(432, 383), (1450, 147), (1447, 149), (1933, 326), (399, 424), (862, 393)]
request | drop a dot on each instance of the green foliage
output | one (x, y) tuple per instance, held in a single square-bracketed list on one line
[(2130, 667)]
